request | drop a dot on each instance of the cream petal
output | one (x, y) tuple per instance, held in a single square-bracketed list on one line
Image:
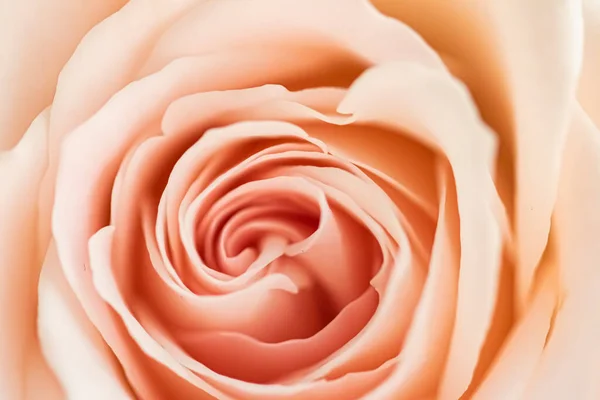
[(21, 171), (542, 85), (308, 23), (524, 86), (423, 355), (437, 110), (82, 361), (571, 360), (91, 77), (36, 33), (589, 83), (515, 363)]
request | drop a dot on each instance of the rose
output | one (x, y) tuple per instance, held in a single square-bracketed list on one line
[(475, 292)]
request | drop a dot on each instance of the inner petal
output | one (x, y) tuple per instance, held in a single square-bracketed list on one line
[(233, 233)]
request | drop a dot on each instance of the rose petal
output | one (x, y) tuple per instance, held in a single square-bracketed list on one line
[(80, 358), (571, 359), (589, 83), (35, 33), (234, 355), (542, 86), (277, 22), (515, 363), (182, 382), (510, 40), (21, 171), (423, 355), (435, 109), (90, 78)]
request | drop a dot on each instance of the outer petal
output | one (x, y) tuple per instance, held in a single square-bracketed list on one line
[(517, 360), (21, 171), (589, 85), (37, 37), (571, 360), (78, 355), (532, 74)]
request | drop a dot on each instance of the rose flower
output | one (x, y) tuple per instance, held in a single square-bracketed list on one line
[(298, 199)]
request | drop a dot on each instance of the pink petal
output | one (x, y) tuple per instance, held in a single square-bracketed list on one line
[(444, 117), (423, 355)]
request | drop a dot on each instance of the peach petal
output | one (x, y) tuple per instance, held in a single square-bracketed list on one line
[(260, 224), (571, 358), (190, 207), (495, 48), (131, 113), (589, 83), (352, 182), (91, 154), (346, 387), (444, 116), (82, 361), (542, 87), (295, 107), (21, 171), (423, 355), (187, 112), (412, 195), (196, 111), (233, 354), (274, 22), (36, 33), (186, 311), (138, 185), (343, 195), (100, 254), (100, 264), (398, 160), (92, 76), (382, 337), (520, 354)]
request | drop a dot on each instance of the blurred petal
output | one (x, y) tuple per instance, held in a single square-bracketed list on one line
[(589, 85), (541, 43), (80, 358), (21, 170), (571, 360), (37, 37), (517, 360), (521, 61), (107, 58)]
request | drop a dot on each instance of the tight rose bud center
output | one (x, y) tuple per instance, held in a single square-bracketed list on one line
[(284, 213)]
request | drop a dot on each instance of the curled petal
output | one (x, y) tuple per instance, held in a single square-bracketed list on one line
[(444, 117)]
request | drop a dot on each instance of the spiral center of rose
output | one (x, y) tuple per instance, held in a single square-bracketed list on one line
[(273, 243)]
